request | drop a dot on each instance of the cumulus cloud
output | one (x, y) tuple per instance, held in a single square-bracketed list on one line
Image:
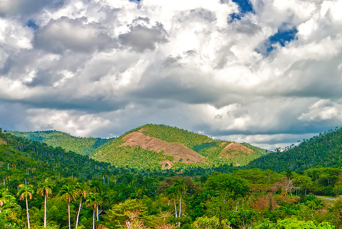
[(78, 124), (266, 72), (323, 110), (142, 36), (66, 34), (24, 7)]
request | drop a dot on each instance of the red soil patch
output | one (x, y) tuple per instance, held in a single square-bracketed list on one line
[(166, 164), (233, 149), (264, 202), (2, 142), (223, 143), (179, 151)]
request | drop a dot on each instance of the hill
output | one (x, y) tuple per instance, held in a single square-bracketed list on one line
[(22, 158), (46, 173), (152, 146), (83, 146), (323, 150)]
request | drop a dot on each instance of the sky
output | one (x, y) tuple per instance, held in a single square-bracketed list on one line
[(267, 72)]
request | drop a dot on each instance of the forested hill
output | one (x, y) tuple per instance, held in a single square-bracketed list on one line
[(154, 146), (324, 150), (26, 159), (42, 185), (83, 146)]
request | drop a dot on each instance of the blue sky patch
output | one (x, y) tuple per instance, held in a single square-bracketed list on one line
[(32, 24), (245, 6), (284, 35)]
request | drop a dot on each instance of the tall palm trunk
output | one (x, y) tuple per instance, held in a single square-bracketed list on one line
[(97, 213), (78, 214), (180, 207), (94, 219), (175, 208), (69, 214), (45, 211), (180, 210), (27, 213)]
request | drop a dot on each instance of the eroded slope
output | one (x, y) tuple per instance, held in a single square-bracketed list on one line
[(178, 151), (152, 146)]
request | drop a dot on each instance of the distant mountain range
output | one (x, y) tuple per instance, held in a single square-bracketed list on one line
[(160, 146), (153, 146), (83, 146)]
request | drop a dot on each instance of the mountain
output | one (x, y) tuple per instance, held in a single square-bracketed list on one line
[(323, 150), (152, 146), (23, 159), (83, 146)]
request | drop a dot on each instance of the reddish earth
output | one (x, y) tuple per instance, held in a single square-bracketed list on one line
[(263, 203), (166, 164), (223, 143), (231, 150), (2, 142), (177, 150)]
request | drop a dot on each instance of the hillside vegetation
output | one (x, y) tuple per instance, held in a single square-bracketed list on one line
[(323, 150), (77, 192), (83, 146), (152, 146), (40, 160)]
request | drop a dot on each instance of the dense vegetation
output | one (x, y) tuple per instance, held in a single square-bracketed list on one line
[(137, 157), (83, 146), (74, 190), (323, 150)]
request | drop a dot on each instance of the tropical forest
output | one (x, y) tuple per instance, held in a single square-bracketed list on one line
[(158, 176)]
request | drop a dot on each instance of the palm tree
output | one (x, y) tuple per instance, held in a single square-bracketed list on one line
[(81, 191), (93, 200), (67, 193), (97, 188), (172, 193), (45, 189), (5, 196), (26, 191), (3, 199), (181, 189), (9, 207)]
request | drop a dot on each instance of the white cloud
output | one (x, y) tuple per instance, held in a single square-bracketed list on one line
[(70, 122), (119, 64), (13, 36), (66, 34), (323, 109)]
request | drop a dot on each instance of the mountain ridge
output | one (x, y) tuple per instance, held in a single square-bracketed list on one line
[(323, 150), (153, 146), (193, 150), (80, 145)]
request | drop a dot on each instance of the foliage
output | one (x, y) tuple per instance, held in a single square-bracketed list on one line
[(83, 146), (137, 157), (234, 185), (323, 150), (206, 223), (221, 196)]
